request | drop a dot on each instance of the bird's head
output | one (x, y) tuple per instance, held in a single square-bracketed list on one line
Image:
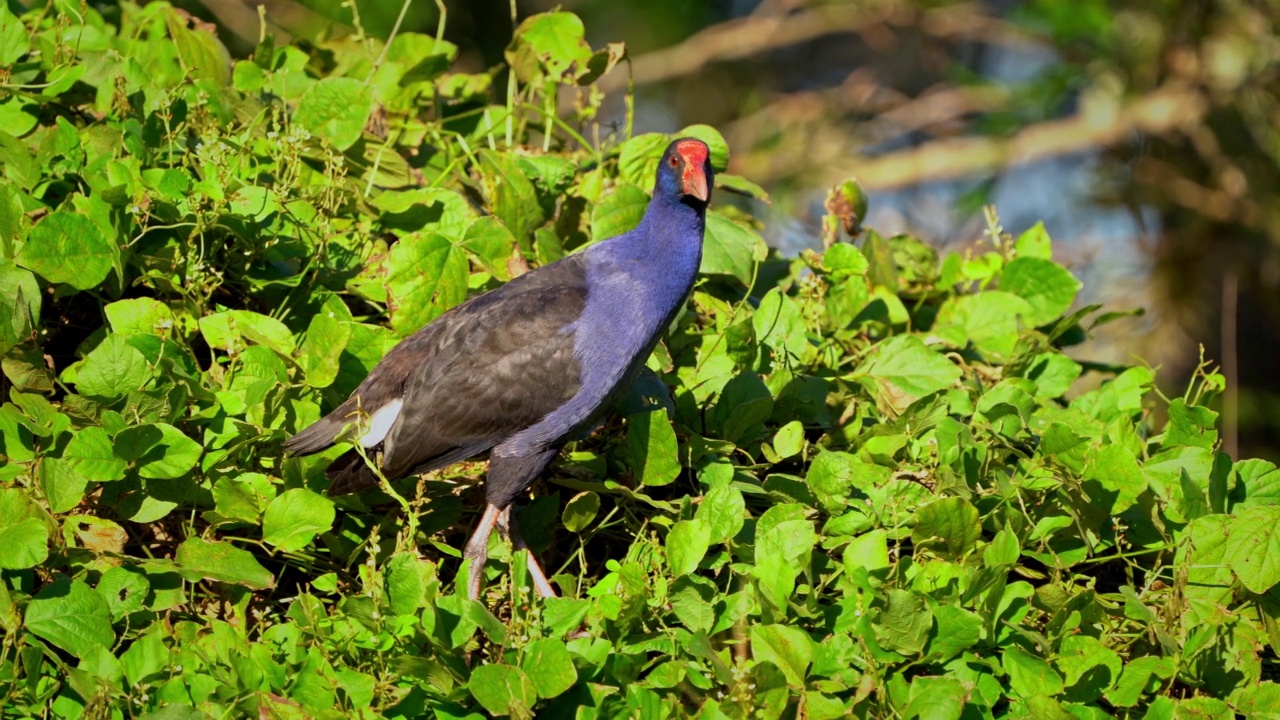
[(685, 172)]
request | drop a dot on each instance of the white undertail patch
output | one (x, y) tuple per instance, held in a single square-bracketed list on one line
[(380, 423)]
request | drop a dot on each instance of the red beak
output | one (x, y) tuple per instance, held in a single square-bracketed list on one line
[(695, 183)]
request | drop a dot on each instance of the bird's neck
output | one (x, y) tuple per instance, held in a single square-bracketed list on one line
[(673, 229)]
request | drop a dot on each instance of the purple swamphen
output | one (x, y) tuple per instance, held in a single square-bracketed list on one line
[(520, 370)]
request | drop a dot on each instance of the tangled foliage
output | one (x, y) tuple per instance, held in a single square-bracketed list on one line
[(851, 484)]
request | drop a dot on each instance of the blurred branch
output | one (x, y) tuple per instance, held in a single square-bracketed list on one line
[(1100, 123), (1214, 204), (895, 114), (1230, 364), (758, 33), (240, 18)]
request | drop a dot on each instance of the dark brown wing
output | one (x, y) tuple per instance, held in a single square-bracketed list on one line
[(509, 365), (476, 375)]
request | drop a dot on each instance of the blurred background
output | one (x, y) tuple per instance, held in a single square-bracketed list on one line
[(1144, 133)]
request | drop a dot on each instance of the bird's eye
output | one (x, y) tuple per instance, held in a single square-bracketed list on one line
[(674, 161)]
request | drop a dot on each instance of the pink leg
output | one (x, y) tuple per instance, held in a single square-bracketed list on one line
[(507, 522), (477, 550)]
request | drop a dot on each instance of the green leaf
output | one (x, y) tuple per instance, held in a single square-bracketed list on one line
[(843, 261), (869, 551), (1257, 561), (903, 624), (243, 497), (26, 544), (742, 186), (91, 455), (618, 212), (160, 451), (68, 248), (721, 511), (784, 542), (1035, 243), (687, 544), (881, 269), (203, 56), (988, 320), (20, 303), (1190, 425), (1116, 473), (63, 487), (744, 405), (904, 370), (638, 159), (549, 666), (580, 511), (1210, 583), (139, 316), (779, 324), (562, 615), (1260, 701), (14, 42), (1029, 675), (936, 698), (1090, 668), (1053, 373), (125, 590), (321, 350), (948, 526), (204, 560), (789, 439), (71, 616), (511, 194), (1003, 549), (1140, 676), (548, 43), (228, 329), (112, 369), (503, 690), (787, 647), (492, 244), (145, 658), (652, 448), (1046, 286), (100, 662), (408, 579), (831, 477), (256, 203), (335, 108), (957, 630), (693, 602), (730, 248), (426, 275), (1203, 707), (1120, 397), (428, 210), (12, 222), (1255, 482), (295, 517)]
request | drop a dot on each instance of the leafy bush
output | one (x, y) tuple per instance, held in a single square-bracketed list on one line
[(853, 483)]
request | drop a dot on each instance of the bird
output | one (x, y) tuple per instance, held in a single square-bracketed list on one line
[(518, 371)]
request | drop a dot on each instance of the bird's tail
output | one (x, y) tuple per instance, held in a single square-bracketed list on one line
[(322, 434), (350, 474)]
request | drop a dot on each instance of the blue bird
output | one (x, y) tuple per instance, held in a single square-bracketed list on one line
[(518, 371)]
